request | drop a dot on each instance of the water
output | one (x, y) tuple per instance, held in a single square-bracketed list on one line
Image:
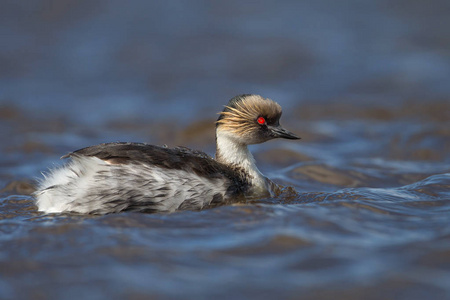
[(365, 212)]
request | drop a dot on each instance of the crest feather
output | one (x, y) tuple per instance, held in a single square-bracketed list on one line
[(240, 115)]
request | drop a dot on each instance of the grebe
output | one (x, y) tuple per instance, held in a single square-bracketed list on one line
[(114, 177)]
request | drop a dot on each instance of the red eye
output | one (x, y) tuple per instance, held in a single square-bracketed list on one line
[(261, 121)]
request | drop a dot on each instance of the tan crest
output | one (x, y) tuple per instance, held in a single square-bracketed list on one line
[(241, 117)]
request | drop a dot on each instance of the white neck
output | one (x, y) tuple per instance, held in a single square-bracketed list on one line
[(236, 154)]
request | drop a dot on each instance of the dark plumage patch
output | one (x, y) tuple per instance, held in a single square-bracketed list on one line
[(216, 200), (143, 207), (191, 204)]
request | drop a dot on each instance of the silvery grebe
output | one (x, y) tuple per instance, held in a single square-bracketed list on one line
[(114, 177)]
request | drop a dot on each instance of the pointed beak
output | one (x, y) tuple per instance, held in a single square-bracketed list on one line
[(280, 132)]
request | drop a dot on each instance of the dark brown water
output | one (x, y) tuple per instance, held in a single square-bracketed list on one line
[(366, 209)]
